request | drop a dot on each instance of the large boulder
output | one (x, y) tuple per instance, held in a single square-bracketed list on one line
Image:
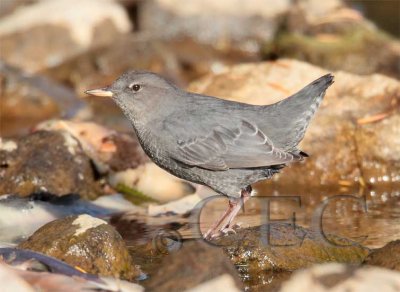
[(354, 137)]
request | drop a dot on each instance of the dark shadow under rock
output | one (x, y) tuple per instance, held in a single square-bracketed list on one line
[(196, 263)]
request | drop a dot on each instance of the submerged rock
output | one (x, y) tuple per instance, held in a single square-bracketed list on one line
[(85, 242), (346, 141), (338, 277), (63, 33), (194, 264), (46, 162), (386, 257), (280, 247)]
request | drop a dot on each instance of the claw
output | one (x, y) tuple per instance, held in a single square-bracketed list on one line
[(228, 230)]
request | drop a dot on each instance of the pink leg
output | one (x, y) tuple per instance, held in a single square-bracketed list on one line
[(234, 207)]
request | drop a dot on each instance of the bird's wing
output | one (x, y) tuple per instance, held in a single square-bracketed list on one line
[(242, 145)]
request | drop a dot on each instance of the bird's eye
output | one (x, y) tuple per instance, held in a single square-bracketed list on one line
[(135, 87)]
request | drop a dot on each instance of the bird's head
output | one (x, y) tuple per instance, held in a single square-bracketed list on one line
[(136, 92)]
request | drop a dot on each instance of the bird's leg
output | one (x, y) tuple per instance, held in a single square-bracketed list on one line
[(234, 207), (245, 195), (214, 228)]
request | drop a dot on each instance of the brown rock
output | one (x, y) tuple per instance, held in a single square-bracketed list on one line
[(85, 242), (339, 140), (386, 257), (46, 162), (196, 263)]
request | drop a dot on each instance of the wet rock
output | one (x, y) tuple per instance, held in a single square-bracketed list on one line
[(34, 42), (26, 99), (223, 24), (279, 246), (338, 138), (85, 242), (337, 277), (196, 263), (333, 36), (386, 257), (46, 162)]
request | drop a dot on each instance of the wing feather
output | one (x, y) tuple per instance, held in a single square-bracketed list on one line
[(240, 146)]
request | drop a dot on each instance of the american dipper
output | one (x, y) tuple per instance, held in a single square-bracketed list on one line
[(222, 144)]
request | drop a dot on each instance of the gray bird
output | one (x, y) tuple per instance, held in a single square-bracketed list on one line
[(222, 144)]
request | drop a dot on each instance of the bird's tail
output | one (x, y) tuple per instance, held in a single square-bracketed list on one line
[(293, 114)]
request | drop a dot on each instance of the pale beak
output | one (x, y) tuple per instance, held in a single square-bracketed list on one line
[(102, 92)]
